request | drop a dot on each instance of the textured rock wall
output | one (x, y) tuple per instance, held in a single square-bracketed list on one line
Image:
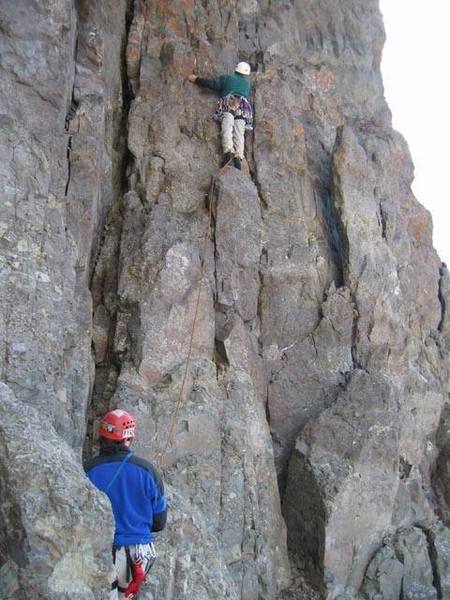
[(61, 155), (312, 438)]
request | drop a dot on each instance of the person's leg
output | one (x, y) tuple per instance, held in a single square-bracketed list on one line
[(227, 135), (114, 593), (238, 137), (122, 569)]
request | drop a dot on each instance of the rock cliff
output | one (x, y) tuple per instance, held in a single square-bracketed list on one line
[(310, 454)]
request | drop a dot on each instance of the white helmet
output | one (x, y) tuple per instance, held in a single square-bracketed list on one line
[(243, 68)]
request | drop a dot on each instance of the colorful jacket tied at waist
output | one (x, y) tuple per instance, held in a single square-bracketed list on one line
[(239, 106)]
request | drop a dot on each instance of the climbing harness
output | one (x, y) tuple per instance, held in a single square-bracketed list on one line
[(238, 106), (179, 402), (139, 560)]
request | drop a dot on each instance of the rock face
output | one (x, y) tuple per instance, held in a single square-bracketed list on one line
[(311, 434), (47, 509)]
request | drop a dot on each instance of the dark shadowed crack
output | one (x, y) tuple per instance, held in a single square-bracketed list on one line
[(432, 554), (443, 282), (12, 532), (254, 177), (344, 254), (333, 229), (68, 129), (258, 61), (383, 220), (69, 118), (69, 149), (220, 356), (7, 349), (355, 360), (103, 282), (263, 258), (253, 165), (305, 515)]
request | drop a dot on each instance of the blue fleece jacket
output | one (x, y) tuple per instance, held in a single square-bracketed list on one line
[(137, 494)]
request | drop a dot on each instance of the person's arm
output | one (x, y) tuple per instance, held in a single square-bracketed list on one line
[(159, 520), (159, 506), (212, 84)]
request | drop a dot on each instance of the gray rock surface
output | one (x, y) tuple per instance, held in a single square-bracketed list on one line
[(61, 92), (48, 512), (61, 99), (384, 576), (439, 541), (312, 438)]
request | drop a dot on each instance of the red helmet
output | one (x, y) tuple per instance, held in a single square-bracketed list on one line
[(117, 425)]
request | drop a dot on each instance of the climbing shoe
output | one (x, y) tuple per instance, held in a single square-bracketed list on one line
[(227, 158), (238, 163)]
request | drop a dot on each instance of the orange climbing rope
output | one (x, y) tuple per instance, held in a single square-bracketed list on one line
[(179, 402)]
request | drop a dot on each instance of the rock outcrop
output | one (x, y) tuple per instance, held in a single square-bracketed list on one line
[(310, 448)]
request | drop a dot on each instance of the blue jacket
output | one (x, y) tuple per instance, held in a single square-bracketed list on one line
[(137, 494)]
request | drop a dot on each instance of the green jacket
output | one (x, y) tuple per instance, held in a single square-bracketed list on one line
[(227, 84)]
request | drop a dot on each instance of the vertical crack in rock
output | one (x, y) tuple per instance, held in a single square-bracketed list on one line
[(334, 237), (443, 294), (6, 348), (329, 213), (355, 336), (105, 262), (251, 51), (262, 266), (69, 116), (68, 128), (220, 357), (336, 202), (344, 253), (253, 172), (433, 556), (69, 149), (306, 513), (13, 534), (383, 220), (253, 166)]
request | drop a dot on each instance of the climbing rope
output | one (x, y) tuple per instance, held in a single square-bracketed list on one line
[(179, 402)]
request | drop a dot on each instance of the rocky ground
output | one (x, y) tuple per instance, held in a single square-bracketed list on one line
[(310, 454)]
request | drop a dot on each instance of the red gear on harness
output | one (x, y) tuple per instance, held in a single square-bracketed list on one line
[(133, 587)]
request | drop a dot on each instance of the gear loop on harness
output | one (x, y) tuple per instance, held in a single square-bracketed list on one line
[(238, 106)]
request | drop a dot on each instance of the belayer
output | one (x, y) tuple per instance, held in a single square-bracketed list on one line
[(137, 497), (234, 110)]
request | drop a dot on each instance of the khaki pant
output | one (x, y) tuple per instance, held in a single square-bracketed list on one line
[(233, 131), (144, 551)]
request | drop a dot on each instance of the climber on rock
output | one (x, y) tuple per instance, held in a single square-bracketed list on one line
[(234, 110), (137, 497)]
